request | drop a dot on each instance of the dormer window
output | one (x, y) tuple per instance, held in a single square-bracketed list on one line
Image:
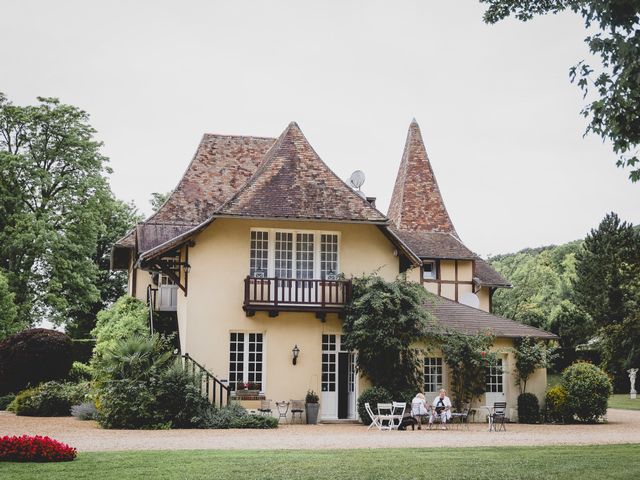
[(429, 270)]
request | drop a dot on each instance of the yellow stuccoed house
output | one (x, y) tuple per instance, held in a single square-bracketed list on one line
[(254, 251)]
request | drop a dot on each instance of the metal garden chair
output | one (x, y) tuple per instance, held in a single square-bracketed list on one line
[(497, 417)]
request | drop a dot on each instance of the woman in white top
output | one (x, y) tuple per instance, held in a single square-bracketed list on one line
[(419, 408), (441, 408)]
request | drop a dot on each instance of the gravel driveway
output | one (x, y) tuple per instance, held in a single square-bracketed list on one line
[(623, 427)]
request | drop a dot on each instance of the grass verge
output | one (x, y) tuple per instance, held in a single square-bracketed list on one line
[(584, 462), (622, 400)]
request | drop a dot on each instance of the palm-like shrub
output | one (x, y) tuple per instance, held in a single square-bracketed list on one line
[(134, 358)]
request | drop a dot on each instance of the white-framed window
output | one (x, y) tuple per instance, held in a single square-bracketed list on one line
[(283, 267), (495, 378), (259, 258), (429, 270), (433, 374), (329, 357), (301, 254), (246, 359), (328, 256)]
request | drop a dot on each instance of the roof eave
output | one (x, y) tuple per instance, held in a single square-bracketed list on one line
[(397, 242)]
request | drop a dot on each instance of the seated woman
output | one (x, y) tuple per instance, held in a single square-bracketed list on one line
[(441, 409), (419, 408)]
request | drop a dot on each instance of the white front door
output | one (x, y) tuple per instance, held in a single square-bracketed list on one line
[(329, 386), (338, 399), (496, 384)]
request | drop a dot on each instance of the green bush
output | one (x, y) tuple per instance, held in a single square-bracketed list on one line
[(588, 391), (557, 407), (235, 416), (178, 398), (5, 400), (33, 356), (373, 396), (51, 399), (80, 372), (126, 318), (528, 408), (127, 403), (255, 421)]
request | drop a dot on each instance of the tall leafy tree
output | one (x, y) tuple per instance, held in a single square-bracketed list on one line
[(383, 321), (607, 267), (54, 199), (613, 87), (8, 311), (607, 287), (112, 284)]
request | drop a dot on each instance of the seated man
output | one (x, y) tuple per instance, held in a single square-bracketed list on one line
[(441, 408), (419, 408)]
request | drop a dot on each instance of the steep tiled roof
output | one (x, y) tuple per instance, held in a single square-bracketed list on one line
[(487, 276), (465, 319), (293, 182), (220, 167), (420, 216), (222, 164), (152, 234), (416, 203), (435, 245)]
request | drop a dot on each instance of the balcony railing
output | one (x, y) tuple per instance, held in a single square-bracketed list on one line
[(297, 295)]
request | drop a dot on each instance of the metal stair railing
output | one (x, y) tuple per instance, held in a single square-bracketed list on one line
[(210, 386)]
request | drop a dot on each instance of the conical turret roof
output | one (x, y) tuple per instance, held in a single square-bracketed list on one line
[(416, 204)]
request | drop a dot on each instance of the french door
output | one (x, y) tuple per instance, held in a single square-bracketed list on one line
[(495, 383), (338, 396)]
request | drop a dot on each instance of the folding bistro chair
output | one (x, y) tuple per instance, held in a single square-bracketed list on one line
[(297, 408), (397, 414), (375, 420), (385, 416), (498, 415)]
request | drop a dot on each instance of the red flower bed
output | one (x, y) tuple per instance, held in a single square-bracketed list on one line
[(35, 449)]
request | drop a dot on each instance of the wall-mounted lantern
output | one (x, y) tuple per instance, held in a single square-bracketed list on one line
[(296, 352)]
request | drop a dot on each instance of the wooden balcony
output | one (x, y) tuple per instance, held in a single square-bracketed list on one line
[(275, 295)]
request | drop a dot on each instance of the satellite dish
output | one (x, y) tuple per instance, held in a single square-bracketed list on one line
[(357, 179), (470, 299)]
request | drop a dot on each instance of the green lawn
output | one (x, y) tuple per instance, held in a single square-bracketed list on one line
[(620, 400), (583, 462)]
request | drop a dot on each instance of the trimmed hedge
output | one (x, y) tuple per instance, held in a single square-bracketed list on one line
[(588, 391), (33, 356), (528, 408)]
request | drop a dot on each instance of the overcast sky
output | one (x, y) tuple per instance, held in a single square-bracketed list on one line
[(499, 117)]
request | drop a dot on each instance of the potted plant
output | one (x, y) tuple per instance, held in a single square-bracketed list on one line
[(247, 389), (312, 407)]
